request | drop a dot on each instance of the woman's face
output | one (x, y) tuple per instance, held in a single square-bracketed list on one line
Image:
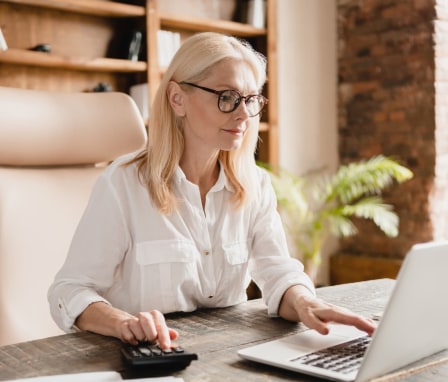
[(205, 126)]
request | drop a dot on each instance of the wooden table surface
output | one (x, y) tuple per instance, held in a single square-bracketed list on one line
[(215, 335)]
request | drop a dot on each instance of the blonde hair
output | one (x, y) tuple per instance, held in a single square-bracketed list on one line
[(158, 162)]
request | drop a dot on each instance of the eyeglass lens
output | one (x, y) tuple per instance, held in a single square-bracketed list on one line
[(229, 100)]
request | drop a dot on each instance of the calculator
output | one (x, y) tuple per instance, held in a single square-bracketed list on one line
[(150, 357)]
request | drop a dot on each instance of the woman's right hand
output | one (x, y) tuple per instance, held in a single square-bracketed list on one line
[(104, 319), (147, 326)]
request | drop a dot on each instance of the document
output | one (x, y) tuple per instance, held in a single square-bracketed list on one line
[(101, 376)]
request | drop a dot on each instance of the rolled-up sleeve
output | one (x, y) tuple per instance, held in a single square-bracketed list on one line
[(98, 246), (271, 266)]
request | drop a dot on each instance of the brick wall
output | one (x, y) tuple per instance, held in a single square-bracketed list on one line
[(393, 100), (439, 197)]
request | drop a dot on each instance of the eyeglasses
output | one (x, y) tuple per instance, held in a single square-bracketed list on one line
[(229, 100)]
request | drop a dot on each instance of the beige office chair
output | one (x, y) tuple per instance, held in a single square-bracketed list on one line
[(51, 145)]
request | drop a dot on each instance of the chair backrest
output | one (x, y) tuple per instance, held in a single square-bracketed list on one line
[(52, 146)]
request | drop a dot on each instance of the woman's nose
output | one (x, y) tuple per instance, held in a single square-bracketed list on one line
[(242, 110)]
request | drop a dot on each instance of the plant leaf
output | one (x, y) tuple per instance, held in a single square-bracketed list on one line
[(365, 178), (374, 209)]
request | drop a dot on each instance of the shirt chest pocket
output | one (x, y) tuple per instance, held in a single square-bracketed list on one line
[(234, 270), (164, 251), (236, 253), (167, 268)]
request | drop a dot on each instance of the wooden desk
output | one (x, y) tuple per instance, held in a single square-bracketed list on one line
[(214, 334)]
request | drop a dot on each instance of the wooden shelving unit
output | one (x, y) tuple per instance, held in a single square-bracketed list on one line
[(89, 7), (25, 57), (202, 25), (81, 33)]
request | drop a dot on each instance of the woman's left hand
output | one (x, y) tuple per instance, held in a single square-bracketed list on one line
[(298, 304)]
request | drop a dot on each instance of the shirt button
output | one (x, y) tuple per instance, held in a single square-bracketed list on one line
[(206, 253)]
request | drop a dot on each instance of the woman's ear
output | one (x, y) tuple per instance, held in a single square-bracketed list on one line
[(176, 98)]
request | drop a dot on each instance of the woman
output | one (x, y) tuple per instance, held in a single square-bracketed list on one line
[(190, 220)]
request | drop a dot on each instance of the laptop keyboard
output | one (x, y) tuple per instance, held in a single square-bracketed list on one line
[(343, 358)]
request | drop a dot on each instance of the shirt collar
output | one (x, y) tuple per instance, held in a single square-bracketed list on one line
[(222, 182)]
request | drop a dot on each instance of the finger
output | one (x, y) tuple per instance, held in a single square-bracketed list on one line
[(148, 326), (173, 333), (136, 329), (126, 334), (367, 325), (346, 317), (317, 324), (336, 315), (312, 321), (163, 334)]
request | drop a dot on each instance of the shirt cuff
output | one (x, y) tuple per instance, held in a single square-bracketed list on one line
[(70, 310)]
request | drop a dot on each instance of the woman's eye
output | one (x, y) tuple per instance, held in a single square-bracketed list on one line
[(229, 97)]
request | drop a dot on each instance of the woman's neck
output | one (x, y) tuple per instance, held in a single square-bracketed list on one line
[(203, 173)]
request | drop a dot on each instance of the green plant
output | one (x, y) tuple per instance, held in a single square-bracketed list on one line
[(318, 204)]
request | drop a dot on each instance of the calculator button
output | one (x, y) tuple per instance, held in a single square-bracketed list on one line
[(145, 351), (156, 350)]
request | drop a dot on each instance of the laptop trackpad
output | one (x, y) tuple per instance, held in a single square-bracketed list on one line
[(311, 340)]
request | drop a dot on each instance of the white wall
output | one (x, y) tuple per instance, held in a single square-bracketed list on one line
[(307, 80)]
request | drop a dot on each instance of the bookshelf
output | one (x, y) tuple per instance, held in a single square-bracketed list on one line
[(89, 38)]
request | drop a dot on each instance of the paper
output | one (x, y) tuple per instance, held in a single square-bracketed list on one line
[(101, 376)]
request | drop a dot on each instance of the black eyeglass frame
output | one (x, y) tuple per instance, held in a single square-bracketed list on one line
[(237, 102)]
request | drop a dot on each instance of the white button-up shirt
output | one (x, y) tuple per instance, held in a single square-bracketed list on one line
[(127, 254)]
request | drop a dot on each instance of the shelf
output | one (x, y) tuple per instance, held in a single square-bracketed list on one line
[(91, 7), (209, 25), (25, 57)]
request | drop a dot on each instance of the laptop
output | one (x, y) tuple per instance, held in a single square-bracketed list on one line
[(412, 326)]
